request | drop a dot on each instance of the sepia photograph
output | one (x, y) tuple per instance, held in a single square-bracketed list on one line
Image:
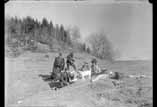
[(78, 53)]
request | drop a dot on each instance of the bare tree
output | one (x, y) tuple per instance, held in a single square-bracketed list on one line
[(75, 33), (101, 46)]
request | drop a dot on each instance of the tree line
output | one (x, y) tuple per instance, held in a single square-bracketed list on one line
[(26, 32)]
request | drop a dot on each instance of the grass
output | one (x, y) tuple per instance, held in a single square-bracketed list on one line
[(22, 81)]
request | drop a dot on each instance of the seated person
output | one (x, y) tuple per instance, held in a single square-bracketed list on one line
[(70, 61), (85, 67), (68, 76), (94, 67)]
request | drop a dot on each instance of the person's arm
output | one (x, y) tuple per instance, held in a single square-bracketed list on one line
[(63, 64), (68, 58), (54, 64), (97, 69), (92, 69), (72, 58), (82, 68)]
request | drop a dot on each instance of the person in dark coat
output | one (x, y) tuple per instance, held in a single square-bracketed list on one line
[(59, 63), (58, 66), (70, 61)]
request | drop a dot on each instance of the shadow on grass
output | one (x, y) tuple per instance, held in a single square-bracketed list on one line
[(52, 84), (46, 77)]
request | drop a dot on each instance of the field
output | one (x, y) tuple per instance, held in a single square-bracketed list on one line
[(25, 87)]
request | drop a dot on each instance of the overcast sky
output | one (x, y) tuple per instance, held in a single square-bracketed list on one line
[(128, 26)]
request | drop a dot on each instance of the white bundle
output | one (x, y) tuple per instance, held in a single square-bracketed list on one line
[(101, 76)]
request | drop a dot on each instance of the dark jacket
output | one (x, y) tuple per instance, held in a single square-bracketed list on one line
[(59, 63), (70, 59)]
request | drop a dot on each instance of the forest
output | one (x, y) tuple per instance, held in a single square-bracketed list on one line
[(29, 34), (26, 33)]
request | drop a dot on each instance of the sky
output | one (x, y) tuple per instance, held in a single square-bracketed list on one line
[(127, 26)]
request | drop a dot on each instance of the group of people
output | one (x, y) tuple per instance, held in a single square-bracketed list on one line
[(60, 65)]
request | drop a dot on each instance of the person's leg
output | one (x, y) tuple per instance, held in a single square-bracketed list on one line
[(68, 77), (65, 76), (60, 78), (53, 73), (68, 66), (73, 65), (52, 76), (63, 79)]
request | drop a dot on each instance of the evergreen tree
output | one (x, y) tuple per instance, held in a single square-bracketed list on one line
[(21, 32)]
